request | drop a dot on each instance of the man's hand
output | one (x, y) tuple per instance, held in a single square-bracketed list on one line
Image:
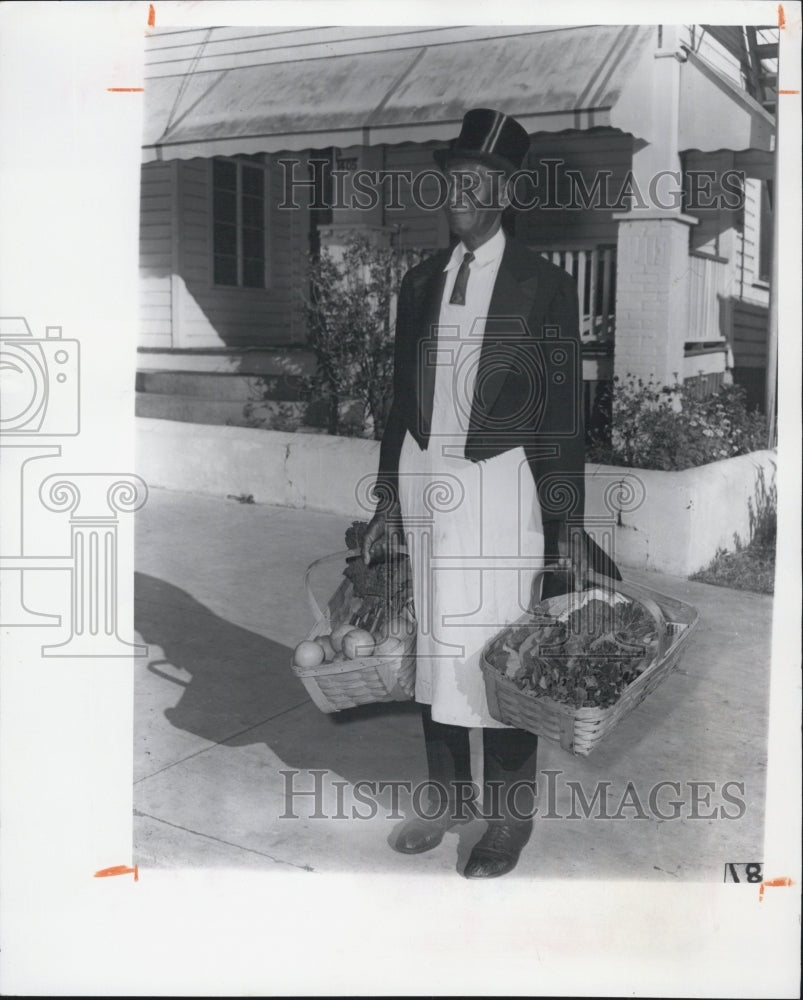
[(573, 553), (383, 535)]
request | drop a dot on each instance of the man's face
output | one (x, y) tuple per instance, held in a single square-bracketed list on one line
[(477, 196)]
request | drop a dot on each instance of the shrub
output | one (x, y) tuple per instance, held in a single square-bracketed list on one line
[(745, 569), (763, 513), (351, 330), (666, 427), (750, 566)]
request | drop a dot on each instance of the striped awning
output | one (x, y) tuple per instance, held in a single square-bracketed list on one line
[(227, 91), (222, 91)]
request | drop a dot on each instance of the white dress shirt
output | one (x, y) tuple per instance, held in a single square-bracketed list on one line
[(481, 511), (460, 333)]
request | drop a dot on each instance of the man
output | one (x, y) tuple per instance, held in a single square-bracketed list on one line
[(482, 459)]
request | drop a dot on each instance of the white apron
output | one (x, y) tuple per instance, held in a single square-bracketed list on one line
[(485, 509), (453, 507)]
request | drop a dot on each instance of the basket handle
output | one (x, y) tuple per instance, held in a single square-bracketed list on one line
[(624, 587), (317, 612)]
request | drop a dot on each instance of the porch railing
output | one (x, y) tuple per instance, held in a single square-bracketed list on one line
[(708, 279), (594, 270)]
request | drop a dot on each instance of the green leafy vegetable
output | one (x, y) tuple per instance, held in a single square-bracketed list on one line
[(586, 660), (383, 589)]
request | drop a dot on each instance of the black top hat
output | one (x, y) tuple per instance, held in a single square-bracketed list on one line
[(490, 137)]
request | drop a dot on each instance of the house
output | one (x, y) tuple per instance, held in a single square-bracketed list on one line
[(651, 171)]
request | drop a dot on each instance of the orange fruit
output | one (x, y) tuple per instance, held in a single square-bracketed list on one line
[(325, 642), (337, 635), (358, 643), (308, 654)]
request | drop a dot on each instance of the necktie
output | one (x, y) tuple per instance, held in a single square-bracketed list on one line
[(459, 291)]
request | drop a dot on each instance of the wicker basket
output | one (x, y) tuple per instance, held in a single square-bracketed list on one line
[(348, 683), (579, 730)]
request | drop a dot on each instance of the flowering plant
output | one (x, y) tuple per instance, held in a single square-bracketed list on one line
[(668, 427)]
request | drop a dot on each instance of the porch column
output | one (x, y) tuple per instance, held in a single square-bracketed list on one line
[(652, 264), (652, 287)]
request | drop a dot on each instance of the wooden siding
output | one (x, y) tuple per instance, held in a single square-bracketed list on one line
[(725, 296), (214, 316), (750, 327), (155, 255), (747, 246)]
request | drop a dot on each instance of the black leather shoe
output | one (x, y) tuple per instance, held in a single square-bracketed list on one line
[(498, 849), (418, 835)]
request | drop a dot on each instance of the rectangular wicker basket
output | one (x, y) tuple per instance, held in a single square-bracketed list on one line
[(579, 730), (344, 684)]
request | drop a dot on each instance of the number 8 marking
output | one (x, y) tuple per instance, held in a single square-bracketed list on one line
[(753, 872)]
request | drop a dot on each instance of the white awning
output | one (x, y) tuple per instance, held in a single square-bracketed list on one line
[(221, 92), (227, 91)]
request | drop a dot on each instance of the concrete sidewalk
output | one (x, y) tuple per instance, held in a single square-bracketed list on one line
[(219, 715)]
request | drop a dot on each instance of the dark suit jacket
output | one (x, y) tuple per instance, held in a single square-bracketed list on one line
[(528, 388)]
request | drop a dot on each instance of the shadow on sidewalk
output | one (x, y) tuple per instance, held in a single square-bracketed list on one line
[(238, 689)]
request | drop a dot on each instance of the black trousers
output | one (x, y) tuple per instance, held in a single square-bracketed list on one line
[(509, 757)]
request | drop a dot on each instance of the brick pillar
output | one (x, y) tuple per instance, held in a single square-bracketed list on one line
[(652, 275), (652, 268)]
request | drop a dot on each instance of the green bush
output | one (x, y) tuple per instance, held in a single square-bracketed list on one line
[(351, 330), (667, 427)]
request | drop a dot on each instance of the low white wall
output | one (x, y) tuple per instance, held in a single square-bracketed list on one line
[(675, 522), (293, 470), (672, 522)]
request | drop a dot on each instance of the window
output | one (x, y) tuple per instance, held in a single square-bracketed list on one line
[(239, 213)]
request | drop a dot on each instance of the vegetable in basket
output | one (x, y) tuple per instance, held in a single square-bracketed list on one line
[(584, 657), (380, 617), (382, 591)]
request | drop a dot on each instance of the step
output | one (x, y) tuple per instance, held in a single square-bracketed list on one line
[(228, 361), (272, 414), (217, 386)]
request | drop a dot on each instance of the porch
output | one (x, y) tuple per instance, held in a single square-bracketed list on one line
[(191, 385), (661, 293), (710, 333), (594, 270)]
